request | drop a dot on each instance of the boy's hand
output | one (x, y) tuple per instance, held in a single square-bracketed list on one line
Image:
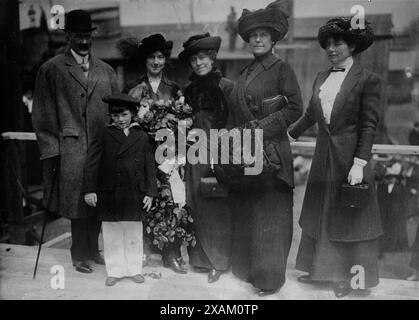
[(91, 199), (148, 201)]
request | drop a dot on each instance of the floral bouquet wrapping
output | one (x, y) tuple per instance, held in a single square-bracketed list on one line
[(169, 220)]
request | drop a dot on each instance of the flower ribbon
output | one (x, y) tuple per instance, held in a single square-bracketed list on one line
[(177, 186)]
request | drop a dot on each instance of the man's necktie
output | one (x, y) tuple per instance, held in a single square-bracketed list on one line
[(84, 65)]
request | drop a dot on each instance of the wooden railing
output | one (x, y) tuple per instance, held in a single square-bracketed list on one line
[(297, 147), (308, 148)]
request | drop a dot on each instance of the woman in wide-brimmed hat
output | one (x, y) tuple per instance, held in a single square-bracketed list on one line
[(152, 54), (346, 105), (207, 94), (263, 215)]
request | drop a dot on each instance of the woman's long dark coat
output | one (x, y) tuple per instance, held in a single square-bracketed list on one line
[(121, 170), (263, 221), (354, 119), (212, 216)]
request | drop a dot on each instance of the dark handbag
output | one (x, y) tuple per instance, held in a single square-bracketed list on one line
[(211, 188), (354, 196), (273, 104)]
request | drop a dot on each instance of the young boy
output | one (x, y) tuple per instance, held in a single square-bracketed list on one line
[(120, 181)]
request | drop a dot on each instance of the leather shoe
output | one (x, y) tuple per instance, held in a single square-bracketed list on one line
[(181, 261), (82, 266), (305, 279), (214, 275), (111, 281), (173, 264), (266, 292), (138, 278), (342, 289), (98, 259)]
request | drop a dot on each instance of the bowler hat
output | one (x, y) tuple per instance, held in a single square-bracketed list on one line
[(341, 26), (153, 43), (121, 100), (197, 43), (274, 17), (78, 21)]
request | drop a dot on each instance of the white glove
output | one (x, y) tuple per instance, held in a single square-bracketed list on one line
[(356, 174)]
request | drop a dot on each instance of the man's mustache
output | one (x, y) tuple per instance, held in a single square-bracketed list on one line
[(83, 46)]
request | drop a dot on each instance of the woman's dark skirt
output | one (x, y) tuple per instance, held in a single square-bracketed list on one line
[(212, 223), (262, 234), (327, 260)]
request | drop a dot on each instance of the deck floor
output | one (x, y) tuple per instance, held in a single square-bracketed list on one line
[(17, 263)]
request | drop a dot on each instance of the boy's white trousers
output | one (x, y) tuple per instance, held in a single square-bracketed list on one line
[(123, 248)]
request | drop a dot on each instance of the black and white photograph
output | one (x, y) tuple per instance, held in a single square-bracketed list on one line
[(212, 150)]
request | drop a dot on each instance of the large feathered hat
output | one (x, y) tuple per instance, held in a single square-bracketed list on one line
[(341, 26), (274, 16), (153, 43), (134, 50), (199, 42)]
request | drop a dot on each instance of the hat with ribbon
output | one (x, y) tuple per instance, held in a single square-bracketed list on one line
[(341, 26), (134, 50), (153, 43), (274, 17), (197, 43)]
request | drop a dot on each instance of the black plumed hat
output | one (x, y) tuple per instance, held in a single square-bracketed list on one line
[(153, 43), (197, 43), (341, 26), (134, 50), (274, 17)]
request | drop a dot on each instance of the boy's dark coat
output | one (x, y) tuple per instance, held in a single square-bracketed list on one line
[(121, 170)]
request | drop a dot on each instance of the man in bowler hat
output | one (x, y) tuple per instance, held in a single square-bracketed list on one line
[(67, 111)]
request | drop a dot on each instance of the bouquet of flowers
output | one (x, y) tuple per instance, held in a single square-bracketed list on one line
[(156, 115), (169, 220)]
